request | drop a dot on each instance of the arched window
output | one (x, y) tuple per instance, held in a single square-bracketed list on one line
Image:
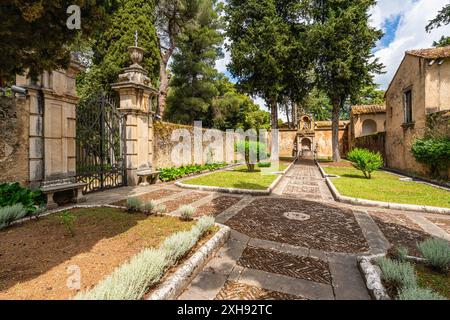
[(369, 127)]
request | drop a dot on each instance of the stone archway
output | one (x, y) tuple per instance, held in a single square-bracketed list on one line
[(306, 144)]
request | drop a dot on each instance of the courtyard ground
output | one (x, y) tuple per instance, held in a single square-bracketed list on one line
[(295, 244)]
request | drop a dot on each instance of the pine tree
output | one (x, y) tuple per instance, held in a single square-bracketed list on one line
[(342, 39), (192, 87), (110, 54)]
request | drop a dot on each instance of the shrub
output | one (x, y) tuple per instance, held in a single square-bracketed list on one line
[(170, 174), (68, 220), (14, 193), (134, 204), (11, 213), (365, 161), (399, 253), (149, 207), (251, 151), (187, 212), (433, 152), (264, 164), (398, 274), (132, 280), (416, 293), (436, 252), (160, 209)]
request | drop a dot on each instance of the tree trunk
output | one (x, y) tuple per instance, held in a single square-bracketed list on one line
[(287, 116), (294, 114), (273, 113), (163, 86), (335, 131)]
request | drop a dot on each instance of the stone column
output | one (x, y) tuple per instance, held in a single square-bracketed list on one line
[(52, 136), (137, 97)]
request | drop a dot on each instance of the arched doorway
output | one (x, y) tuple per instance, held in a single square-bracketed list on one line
[(369, 126), (306, 144)]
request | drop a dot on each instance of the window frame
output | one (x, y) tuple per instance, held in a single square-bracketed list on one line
[(408, 106)]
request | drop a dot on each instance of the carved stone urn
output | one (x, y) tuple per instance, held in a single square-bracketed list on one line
[(136, 54)]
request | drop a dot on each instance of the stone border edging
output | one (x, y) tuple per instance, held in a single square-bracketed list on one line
[(172, 287), (265, 192), (372, 277), (380, 204)]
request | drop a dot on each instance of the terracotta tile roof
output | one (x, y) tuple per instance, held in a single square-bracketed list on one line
[(368, 109), (328, 124), (432, 53)]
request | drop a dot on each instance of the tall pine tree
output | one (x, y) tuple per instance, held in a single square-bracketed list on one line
[(342, 39), (192, 87)]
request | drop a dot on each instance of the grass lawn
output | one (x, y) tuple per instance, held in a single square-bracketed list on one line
[(438, 282), (386, 187), (37, 256), (239, 178)]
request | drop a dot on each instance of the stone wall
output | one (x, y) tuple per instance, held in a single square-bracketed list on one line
[(14, 126), (374, 143), (287, 142), (164, 146), (324, 144)]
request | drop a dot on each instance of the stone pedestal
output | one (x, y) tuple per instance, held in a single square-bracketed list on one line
[(137, 98), (52, 133)]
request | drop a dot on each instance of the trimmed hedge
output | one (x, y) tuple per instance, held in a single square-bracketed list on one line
[(170, 174)]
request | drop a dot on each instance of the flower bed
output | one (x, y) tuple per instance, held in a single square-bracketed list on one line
[(171, 174), (40, 256)]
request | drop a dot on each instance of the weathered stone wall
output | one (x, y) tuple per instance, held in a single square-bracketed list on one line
[(163, 145), (400, 136), (374, 143), (14, 127), (287, 142), (324, 144)]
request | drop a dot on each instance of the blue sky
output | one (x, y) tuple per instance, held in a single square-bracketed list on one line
[(403, 22)]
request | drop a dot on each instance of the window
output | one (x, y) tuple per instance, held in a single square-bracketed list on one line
[(408, 106)]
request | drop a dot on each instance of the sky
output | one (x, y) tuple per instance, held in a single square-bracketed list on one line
[(403, 23)]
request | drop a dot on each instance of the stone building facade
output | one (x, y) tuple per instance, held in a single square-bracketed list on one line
[(419, 89)]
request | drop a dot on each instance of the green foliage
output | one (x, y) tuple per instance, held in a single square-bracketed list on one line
[(35, 36), (264, 164), (149, 207), (436, 252), (443, 18), (365, 161), (132, 280), (370, 94), (400, 253), (11, 213), (192, 87), (186, 212), (134, 204), (433, 152), (110, 54), (170, 174), (68, 219), (252, 151), (443, 42), (398, 274), (13, 193), (160, 209), (417, 293)]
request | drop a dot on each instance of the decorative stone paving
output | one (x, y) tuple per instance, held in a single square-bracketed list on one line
[(329, 229), (441, 223), (189, 198), (217, 206), (306, 268), (154, 195), (238, 291), (399, 230)]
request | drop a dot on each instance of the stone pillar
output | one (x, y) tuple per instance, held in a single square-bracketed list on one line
[(137, 98), (52, 135)]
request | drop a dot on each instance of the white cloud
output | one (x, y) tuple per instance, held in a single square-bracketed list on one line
[(221, 64), (410, 34)]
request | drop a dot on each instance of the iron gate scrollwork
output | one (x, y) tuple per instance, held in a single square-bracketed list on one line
[(100, 144)]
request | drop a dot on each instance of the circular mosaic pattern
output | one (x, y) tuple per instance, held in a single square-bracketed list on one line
[(292, 215)]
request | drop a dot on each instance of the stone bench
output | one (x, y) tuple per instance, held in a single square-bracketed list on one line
[(147, 177), (50, 189)]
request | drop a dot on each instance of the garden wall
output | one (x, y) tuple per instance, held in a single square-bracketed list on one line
[(373, 142), (163, 144), (14, 128)]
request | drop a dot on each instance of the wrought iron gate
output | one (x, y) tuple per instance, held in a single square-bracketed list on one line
[(100, 144)]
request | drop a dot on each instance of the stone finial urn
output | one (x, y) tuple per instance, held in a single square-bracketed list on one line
[(136, 54)]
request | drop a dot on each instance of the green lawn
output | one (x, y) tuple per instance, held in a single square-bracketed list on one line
[(386, 187), (238, 178)]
